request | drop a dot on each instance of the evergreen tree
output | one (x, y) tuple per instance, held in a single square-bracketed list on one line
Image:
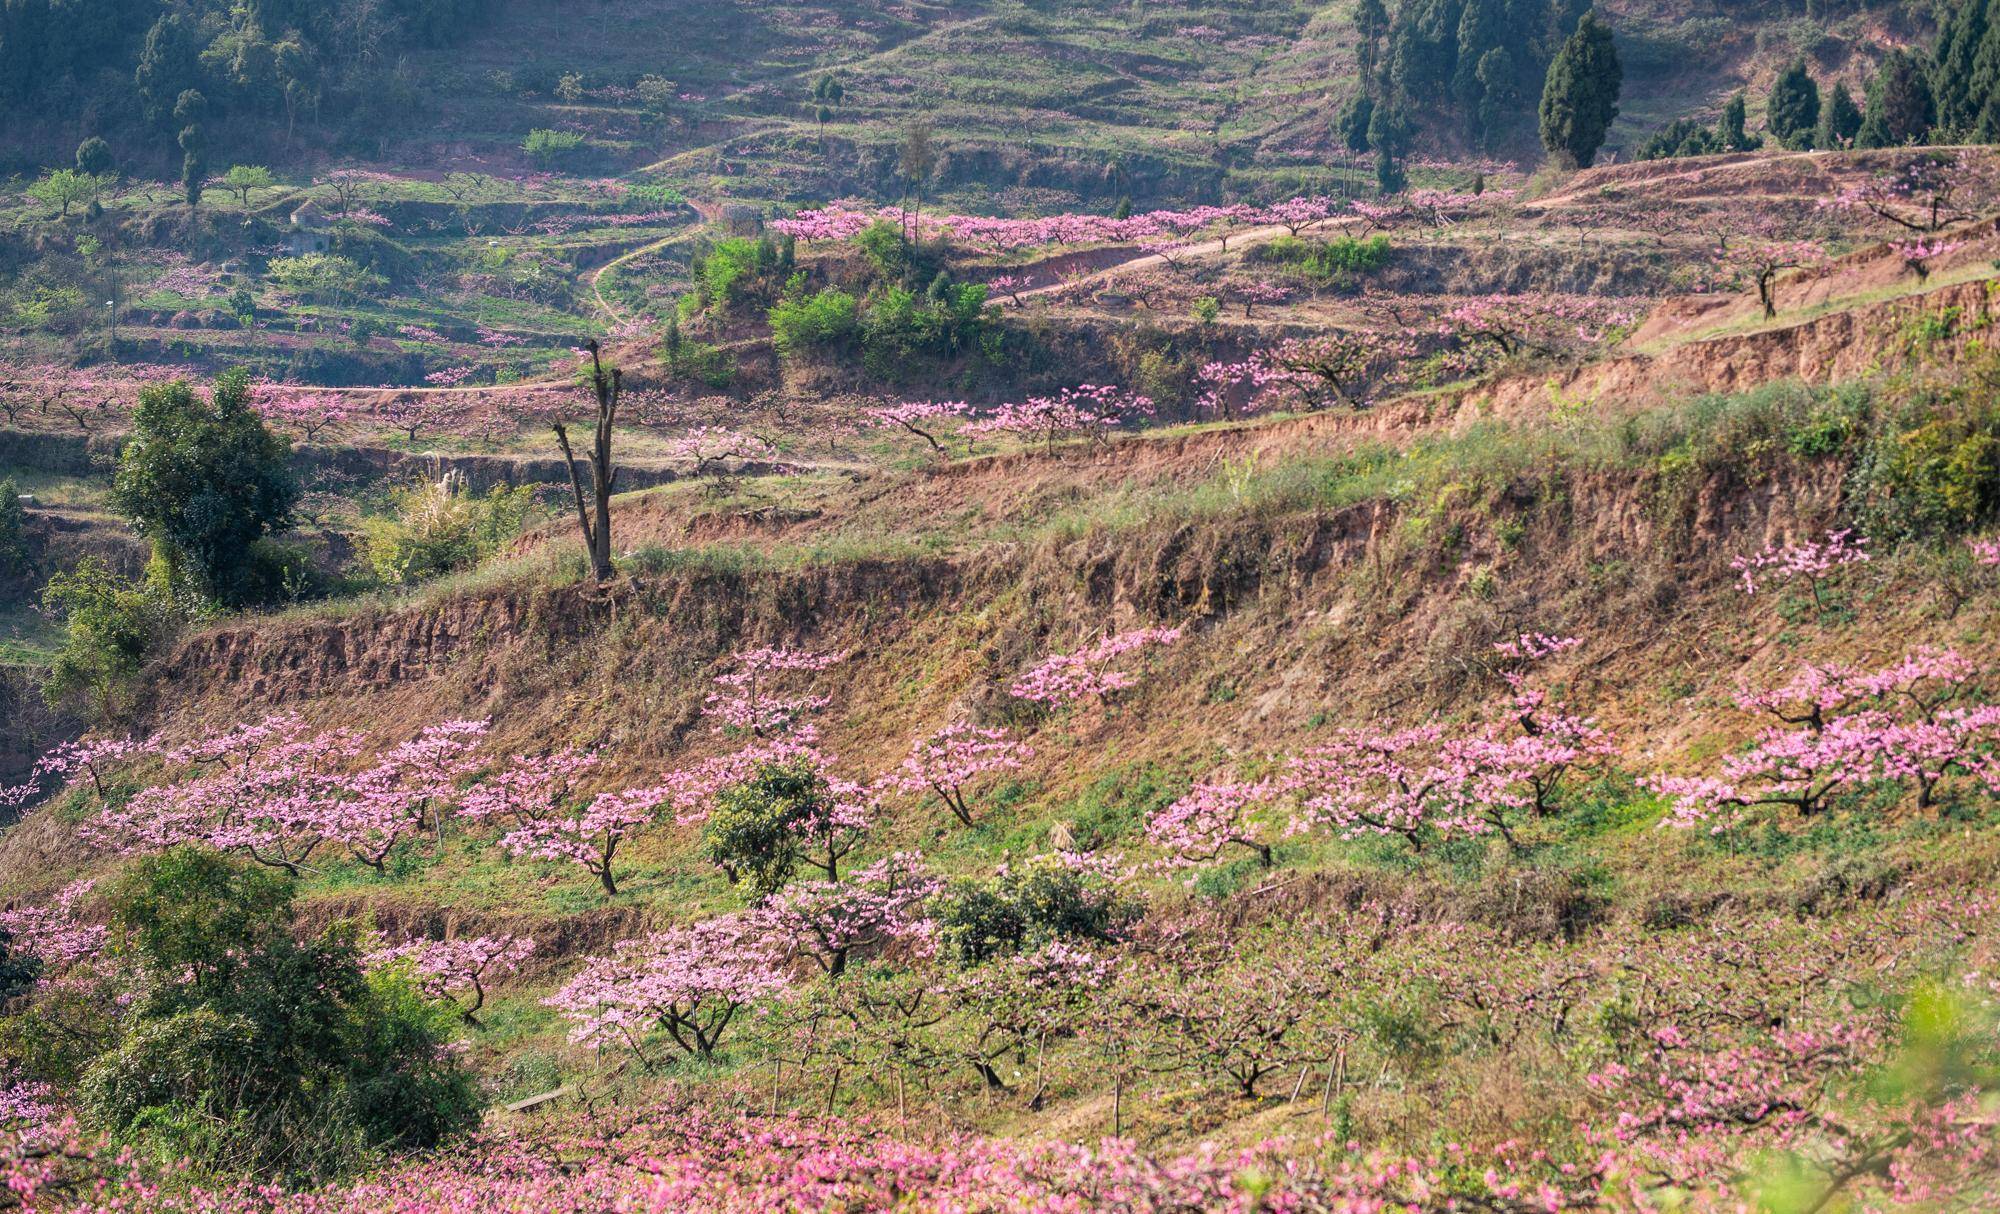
[(1839, 119), (1580, 95), (1352, 125), (1423, 53), (1954, 60), (93, 156), (1480, 28), (1792, 113), (1729, 131), (168, 66), (1497, 77), (1985, 88), (1900, 109), (1389, 134), (1371, 21)]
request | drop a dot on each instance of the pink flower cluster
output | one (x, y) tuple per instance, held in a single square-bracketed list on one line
[(1814, 560), (1088, 674), (954, 757), (1091, 409), (1911, 722)]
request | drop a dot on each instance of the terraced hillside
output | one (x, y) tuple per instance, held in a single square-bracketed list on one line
[(1505, 723)]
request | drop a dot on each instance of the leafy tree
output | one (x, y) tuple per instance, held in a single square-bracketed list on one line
[(1580, 95), (1900, 109), (110, 627), (93, 157), (1681, 137), (243, 178), (1839, 119), (63, 189), (1730, 132), (204, 479), (1792, 113), (13, 529), (785, 816), (249, 1050)]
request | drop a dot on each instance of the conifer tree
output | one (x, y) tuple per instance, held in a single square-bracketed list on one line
[(1792, 113), (1900, 109), (1839, 119), (1580, 95)]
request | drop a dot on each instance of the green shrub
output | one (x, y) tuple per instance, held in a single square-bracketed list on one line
[(439, 527), (552, 149), (738, 271), (1026, 907), (801, 322), (1340, 261), (1939, 474), (14, 556), (323, 278), (110, 628), (249, 1051)]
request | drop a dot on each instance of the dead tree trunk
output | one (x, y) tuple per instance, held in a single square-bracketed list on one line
[(606, 386)]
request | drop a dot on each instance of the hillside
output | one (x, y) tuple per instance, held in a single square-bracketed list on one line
[(959, 606), (1321, 572)]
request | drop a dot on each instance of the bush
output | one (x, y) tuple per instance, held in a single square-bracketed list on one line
[(14, 556), (553, 149), (902, 328), (800, 322), (686, 359), (110, 627), (323, 278), (738, 271), (1027, 907), (1935, 474), (1341, 261), (440, 528), (1681, 137), (250, 1051)]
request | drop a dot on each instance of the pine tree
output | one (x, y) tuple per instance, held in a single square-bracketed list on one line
[(1352, 125), (1371, 21), (1900, 110), (1479, 31), (1953, 64), (1792, 112), (1729, 132), (1839, 119), (1497, 75), (1580, 95), (1389, 134), (1984, 88)]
